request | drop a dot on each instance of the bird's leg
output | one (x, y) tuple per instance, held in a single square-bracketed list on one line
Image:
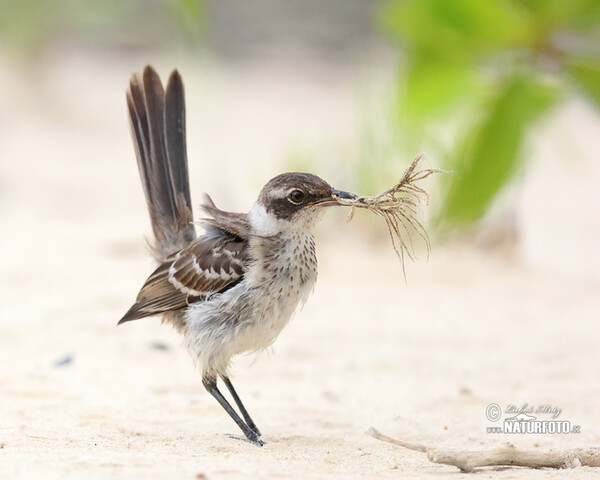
[(240, 405), (211, 385)]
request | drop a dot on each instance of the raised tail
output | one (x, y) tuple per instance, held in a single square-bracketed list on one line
[(157, 121)]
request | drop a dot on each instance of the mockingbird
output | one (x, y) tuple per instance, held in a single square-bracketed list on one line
[(233, 288)]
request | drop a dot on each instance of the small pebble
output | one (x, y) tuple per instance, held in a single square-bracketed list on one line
[(63, 361), (159, 346)]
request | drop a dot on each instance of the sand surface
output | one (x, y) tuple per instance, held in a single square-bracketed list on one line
[(81, 398)]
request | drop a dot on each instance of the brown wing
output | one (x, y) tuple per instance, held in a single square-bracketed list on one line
[(211, 264)]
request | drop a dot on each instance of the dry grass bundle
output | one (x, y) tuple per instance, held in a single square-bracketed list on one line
[(400, 206)]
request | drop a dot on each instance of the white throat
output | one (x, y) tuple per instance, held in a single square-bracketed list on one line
[(263, 223)]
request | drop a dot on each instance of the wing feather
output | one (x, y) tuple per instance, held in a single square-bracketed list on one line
[(211, 264)]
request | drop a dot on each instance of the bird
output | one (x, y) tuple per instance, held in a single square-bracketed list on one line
[(234, 287)]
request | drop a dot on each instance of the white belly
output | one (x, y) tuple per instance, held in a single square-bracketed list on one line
[(250, 316)]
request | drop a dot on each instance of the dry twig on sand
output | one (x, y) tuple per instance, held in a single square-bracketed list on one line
[(504, 454), (399, 206)]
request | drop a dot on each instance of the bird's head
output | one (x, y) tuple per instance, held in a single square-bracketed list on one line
[(292, 202)]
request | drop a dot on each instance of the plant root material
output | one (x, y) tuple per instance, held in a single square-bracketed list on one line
[(400, 206)]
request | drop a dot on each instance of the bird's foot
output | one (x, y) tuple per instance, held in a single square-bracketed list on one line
[(249, 438), (256, 440)]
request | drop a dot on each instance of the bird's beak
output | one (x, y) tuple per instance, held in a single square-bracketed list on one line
[(333, 199), (341, 194)]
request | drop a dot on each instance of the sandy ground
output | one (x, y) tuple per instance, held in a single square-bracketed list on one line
[(80, 397)]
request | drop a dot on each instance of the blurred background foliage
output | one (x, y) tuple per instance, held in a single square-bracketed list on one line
[(473, 77), (487, 71), (34, 27)]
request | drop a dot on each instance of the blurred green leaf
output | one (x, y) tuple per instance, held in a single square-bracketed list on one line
[(586, 72), (432, 87), (457, 30), (451, 54), (491, 153)]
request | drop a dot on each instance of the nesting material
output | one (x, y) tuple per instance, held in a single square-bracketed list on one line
[(400, 207)]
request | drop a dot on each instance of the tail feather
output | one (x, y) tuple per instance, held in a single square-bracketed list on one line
[(158, 130), (175, 134)]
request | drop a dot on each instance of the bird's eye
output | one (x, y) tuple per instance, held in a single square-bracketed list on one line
[(296, 196)]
